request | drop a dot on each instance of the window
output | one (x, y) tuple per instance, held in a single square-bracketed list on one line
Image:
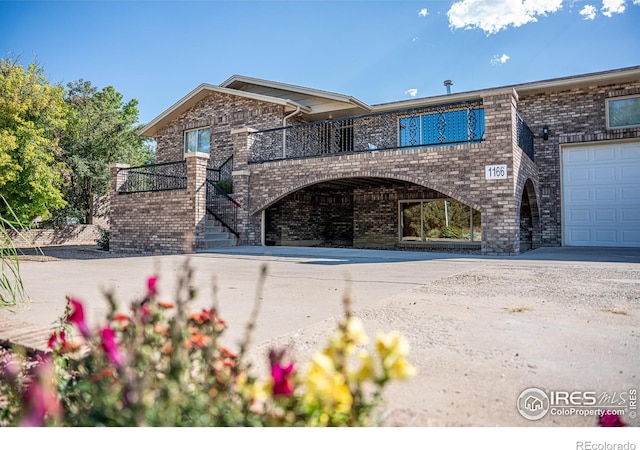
[(426, 220), (442, 127), (197, 140), (623, 112)]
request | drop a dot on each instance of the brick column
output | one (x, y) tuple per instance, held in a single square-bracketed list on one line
[(116, 181), (248, 226), (197, 197), (500, 219), (116, 214)]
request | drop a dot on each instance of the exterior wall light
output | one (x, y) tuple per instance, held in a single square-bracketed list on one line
[(545, 133)]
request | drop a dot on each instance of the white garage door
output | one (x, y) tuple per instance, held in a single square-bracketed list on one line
[(601, 195)]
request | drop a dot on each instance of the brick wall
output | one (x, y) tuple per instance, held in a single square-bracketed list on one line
[(65, 235), (573, 116), (159, 222), (457, 171), (311, 216), (223, 113)]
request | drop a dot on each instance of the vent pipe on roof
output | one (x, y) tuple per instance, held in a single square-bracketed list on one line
[(448, 84)]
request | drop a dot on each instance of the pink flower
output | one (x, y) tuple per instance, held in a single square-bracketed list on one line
[(281, 374), (282, 379), (40, 398), (110, 346), (610, 420), (77, 317), (151, 285), (57, 337)]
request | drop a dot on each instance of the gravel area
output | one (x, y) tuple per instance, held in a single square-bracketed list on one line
[(481, 337)]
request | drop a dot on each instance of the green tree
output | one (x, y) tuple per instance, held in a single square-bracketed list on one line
[(32, 111), (101, 129)]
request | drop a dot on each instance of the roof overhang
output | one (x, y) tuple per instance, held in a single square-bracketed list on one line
[(202, 91), (238, 81), (616, 76), (624, 75)]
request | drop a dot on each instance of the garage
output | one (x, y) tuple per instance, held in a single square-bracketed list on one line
[(601, 195)]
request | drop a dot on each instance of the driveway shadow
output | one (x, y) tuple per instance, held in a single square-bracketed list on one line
[(67, 252)]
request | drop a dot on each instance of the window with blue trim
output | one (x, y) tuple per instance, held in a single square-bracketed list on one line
[(442, 128)]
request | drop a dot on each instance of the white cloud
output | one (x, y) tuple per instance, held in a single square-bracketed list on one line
[(412, 92), (423, 12), (497, 59), (588, 12), (611, 7), (415, 39), (492, 16)]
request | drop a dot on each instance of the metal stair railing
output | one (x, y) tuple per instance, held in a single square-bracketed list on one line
[(222, 207)]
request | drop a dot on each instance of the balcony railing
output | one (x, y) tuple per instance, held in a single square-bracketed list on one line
[(153, 177), (525, 137), (454, 123), (222, 173)]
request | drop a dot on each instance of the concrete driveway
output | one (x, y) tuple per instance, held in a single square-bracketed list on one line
[(481, 329)]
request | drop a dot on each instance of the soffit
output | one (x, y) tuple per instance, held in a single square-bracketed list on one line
[(322, 104)]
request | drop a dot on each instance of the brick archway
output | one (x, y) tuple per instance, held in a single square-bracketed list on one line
[(317, 179), (529, 218)]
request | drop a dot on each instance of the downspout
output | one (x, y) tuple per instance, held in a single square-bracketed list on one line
[(284, 132)]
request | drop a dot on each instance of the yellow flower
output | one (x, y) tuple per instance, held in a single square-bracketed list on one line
[(319, 376), (345, 339), (393, 348), (342, 398), (392, 343), (401, 369), (326, 386), (367, 369), (355, 331), (256, 391)]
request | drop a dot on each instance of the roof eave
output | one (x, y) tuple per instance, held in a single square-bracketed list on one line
[(151, 129), (299, 89)]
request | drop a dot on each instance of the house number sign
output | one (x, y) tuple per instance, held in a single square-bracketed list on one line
[(495, 172)]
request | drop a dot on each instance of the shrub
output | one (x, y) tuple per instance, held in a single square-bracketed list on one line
[(451, 233), (162, 364), (226, 186), (103, 239)]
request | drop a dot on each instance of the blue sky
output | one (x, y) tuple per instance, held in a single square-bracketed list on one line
[(377, 51)]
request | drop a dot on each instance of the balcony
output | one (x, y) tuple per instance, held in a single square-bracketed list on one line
[(448, 124)]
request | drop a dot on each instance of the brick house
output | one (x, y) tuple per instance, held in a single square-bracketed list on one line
[(500, 170)]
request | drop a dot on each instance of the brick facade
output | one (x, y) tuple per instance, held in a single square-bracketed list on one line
[(223, 113), (160, 222), (324, 200), (573, 116), (457, 171)]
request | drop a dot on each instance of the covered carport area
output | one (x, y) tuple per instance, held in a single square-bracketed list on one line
[(370, 212)]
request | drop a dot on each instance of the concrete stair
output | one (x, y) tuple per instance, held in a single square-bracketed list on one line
[(216, 235)]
